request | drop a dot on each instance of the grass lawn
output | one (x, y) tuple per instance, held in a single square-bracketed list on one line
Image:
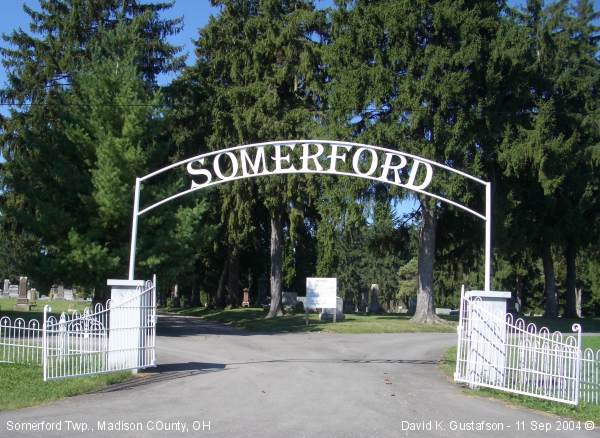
[(253, 319), (7, 306), (23, 385), (581, 412)]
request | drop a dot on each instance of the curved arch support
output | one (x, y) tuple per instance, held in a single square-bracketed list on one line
[(326, 157)]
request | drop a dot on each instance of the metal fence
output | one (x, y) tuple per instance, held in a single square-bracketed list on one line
[(589, 383), (112, 337), (21, 341), (496, 351), (115, 337)]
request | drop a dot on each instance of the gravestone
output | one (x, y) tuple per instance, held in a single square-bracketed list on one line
[(6, 287), (22, 301), (289, 299), (32, 295), (60, 292), (364, 301), (374, 306), (327, 314), (13, 291), (68, 294), (246, 298)]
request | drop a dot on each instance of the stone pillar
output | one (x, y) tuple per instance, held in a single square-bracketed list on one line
[(486, 357), (125, 321), (22, 300)]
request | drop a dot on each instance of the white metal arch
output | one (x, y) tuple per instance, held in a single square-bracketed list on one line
[(486, 216)]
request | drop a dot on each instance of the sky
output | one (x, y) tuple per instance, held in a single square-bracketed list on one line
[(195, 15)]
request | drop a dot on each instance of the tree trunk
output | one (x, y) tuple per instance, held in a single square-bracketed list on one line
[(195, 300), (549, 283), (571, 304), (425, 310), (276, 264), (233, 278), (220, 299), (520, 293)]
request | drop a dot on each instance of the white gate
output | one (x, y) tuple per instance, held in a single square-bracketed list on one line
[(497, 352), (116, 336)]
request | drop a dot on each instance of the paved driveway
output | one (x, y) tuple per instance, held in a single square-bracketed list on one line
[(223, 382)]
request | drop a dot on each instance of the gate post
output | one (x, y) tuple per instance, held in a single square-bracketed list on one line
[(125, 322), (486, 315)]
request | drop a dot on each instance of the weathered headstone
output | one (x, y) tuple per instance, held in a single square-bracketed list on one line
[(60, 292), (246, 298), (68, 294), (13, 291), (374, 306), (364, 301), (32, 295), (6, 287), (327, 314), (22, 301), (289, 299)]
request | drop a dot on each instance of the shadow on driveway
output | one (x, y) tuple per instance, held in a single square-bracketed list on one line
[(164, 372)]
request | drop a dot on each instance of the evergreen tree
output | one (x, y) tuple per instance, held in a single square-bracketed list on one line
[(53, 172), (410, 75), (260, 61), (546, 156)]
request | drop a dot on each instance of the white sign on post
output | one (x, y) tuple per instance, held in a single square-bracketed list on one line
[(321, 293)]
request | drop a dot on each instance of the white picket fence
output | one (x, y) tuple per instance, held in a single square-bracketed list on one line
[(112, 337), (496, 351)]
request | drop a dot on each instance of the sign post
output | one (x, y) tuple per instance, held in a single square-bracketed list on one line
[(321, 293)]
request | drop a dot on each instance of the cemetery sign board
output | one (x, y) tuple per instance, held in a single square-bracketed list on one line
[(321, 293)]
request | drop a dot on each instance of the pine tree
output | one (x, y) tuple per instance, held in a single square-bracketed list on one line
[(410, 75), (260, 61), (546, 156), (50, 174)]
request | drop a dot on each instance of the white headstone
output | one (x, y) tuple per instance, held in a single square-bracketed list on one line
[(68, 294)]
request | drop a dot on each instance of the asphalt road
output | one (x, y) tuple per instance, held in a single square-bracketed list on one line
[(228, 383)]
